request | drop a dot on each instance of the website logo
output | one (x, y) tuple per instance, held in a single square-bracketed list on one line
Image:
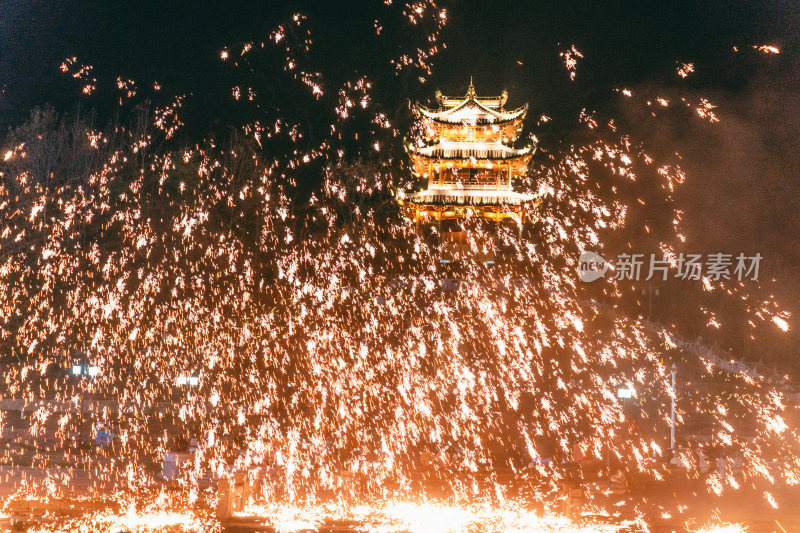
[(592, 266)]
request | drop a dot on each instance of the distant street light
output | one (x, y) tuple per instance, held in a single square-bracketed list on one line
[(191, 381), (81, 370), (85, 370), (650, 290)]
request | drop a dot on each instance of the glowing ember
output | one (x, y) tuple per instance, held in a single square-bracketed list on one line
[(571, 58), (684, 69)]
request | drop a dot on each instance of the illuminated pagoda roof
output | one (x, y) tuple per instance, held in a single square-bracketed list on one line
[(473, 109)]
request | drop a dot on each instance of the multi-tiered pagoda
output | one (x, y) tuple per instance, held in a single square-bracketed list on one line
[(467, 160)]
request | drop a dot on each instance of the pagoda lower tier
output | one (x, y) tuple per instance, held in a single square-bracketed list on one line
[(433, 205)]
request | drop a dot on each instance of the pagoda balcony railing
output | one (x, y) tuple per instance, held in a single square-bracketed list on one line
[(477, 153), (471, 178), (486, 186)]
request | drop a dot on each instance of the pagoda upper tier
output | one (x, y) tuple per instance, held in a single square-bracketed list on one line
[(468, 143)]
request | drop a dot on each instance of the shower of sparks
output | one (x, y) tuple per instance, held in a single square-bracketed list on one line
[(332, 362), (571, 58), (684, 69), (706, 110), (388, 517), (80, 72), (724, 528), (781, 323), (146, 519), (767, 49), (428, 518)]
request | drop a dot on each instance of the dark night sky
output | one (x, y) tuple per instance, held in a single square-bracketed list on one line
[(177, 43), (743, 186)]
